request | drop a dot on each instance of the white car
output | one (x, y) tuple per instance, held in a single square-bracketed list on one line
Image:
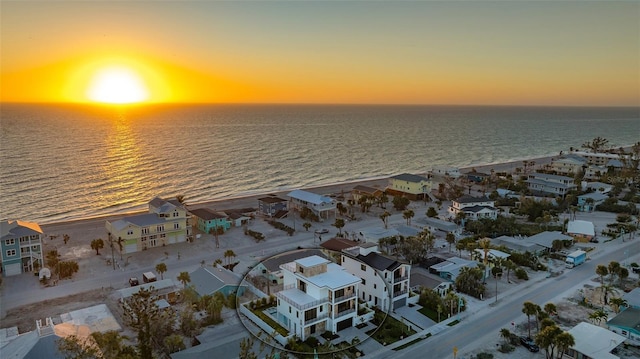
[(322, 231)]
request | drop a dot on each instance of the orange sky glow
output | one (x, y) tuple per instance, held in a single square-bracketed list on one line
[(503, 53)]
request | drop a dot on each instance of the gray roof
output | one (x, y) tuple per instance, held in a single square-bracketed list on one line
[(410, 178), (366, 189), (549, 183), (16, 229), (438, 224), (273, 264), (206, 214), (628, 318), (478, 208), (633, 298), (407, 231), (551, 177), (517, 244), (271, 199), (546, 238), (379, 262), (207, 281), (45, 347), (338, 244), (471, 199), (424, 280), (162, 286), (596, 196), (309, 197)]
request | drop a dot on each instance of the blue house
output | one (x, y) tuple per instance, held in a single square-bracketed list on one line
[(588, 202), (21, 246), (208, 220), (627, 324)]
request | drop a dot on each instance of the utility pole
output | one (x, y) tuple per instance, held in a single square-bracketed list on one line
[(113, 261)]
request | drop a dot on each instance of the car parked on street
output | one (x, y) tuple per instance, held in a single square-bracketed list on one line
[(529, 344), (322, 231), (133, 281)]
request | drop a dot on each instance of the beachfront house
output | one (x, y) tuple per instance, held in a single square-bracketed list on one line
[(322, 206), (272, 206), (598, 159), (549, 184), (21, 245), (166, 223), (444, 171), (359, 191), (385, 281), (414, 187), (568, 165), (209, 221), (318, 296), (474, 207)]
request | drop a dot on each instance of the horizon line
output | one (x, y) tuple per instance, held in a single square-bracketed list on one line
[(150, 103)]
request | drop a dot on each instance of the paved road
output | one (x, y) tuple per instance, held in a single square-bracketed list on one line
[(489, 321)]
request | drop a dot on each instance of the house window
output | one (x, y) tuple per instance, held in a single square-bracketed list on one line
[(320, 308), (163, 235), (369, 297), (160, 228), (10, 242), (175, 214), (363, 267), (153, 236), (129, 232), (289, 309), (176, 226), (143, 238), (145, 230), (11, 252), (301, 270), (364, 282), (374, 286)]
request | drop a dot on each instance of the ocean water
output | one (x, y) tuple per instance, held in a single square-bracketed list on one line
[(61, 162)]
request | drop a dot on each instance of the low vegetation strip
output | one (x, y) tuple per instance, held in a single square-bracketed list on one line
[(412, 342), (272, 323)]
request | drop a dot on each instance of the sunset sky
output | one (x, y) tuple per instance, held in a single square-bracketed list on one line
[(421, 52)]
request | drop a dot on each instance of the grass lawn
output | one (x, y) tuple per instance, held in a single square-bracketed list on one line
[(390, 331), (412, 342), (431, 314), (272, 323)]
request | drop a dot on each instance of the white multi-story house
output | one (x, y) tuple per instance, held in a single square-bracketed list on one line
[(318, 295), (21, 245), (166, 223), (474, 207), (570, 164), (550, 184), (385, 281), (598, 159)]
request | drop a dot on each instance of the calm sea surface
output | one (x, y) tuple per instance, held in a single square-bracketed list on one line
[(61, 162)]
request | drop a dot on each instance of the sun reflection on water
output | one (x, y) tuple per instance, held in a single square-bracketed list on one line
[(126, 181)]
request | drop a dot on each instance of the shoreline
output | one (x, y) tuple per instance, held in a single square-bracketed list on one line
[(243, 200)]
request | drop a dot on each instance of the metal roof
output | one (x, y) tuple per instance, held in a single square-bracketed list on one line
[(309, 197), (271, 199), (581, 227), (409, 178), (471, 199), (379, 262), (594, 341), (206, 214)]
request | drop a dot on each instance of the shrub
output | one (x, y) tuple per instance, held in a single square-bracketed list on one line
[(264, 301), (522, 274), (484, 356), (506, 348)]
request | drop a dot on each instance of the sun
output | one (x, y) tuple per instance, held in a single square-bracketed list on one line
[(117, 85)]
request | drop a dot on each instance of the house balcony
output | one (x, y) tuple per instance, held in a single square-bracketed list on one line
[(344, 312), (400, 278), (336, 300), (399, 293), (317, 319), (304, 306)]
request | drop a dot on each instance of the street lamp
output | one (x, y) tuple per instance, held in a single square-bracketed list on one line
[(113, 261)]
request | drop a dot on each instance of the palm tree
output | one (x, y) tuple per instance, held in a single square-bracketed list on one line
[(97, 244), (529, 309), (623, 273), (614, 268), (306, 225), (510, 266), (505, 334), (602, 271), (616, 303), (408, 214), (218, 261), (341, 208), (598, 316), (161, 268), (550, 309), (339, 223), (564, 341), (460, 246), (228, 254), (485, 244), (451, 239), (384, 199), (185, 278), (384, 217)]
